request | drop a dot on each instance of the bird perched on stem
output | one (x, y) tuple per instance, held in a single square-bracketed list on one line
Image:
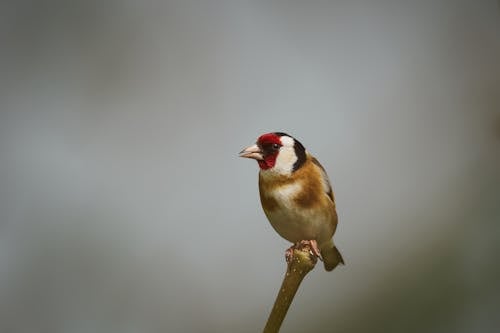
[(296, 195)]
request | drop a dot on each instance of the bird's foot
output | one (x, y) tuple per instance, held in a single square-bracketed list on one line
[(312, 245)]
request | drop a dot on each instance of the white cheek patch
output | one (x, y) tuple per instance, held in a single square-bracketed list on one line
[(286, 157), (285, 160), (287, 141)]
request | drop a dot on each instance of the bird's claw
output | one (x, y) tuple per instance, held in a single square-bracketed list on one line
[(312, 245), (289, 254)]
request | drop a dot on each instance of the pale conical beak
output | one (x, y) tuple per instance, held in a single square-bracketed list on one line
[(252, 152)]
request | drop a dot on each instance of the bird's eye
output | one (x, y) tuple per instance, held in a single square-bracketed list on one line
[(276, 146)]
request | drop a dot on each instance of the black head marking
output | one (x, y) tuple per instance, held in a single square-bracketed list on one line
[(281, 134), (300, 151)]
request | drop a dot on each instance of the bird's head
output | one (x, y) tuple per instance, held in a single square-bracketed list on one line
[(277, 152)]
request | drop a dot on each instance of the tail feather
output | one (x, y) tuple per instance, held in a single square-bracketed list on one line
[(331, 257)]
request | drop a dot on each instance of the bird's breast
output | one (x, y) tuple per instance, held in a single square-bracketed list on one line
[(295, 211), (280, 197)]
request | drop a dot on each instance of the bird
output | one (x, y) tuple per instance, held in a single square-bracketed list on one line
[(296, 195)]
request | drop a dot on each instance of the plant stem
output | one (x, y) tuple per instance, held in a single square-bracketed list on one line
[(302, 262)]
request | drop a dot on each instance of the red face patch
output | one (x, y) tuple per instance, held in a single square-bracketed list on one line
[(269, 144), (268, 138)]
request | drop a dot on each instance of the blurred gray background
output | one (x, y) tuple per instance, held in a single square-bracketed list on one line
[(124, 206)]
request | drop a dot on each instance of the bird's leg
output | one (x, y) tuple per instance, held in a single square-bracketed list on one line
[(289, 253), (314, 247), (312, 244)]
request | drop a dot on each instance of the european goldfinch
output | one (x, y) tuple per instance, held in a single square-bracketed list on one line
[(296, 194)]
